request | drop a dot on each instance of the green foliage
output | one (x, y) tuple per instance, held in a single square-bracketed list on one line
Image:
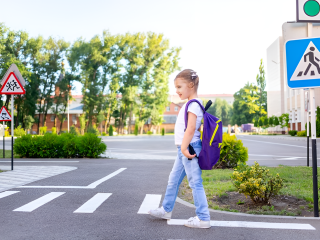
[(43, 130), (256, 182), (74, 130), (162, 131), (92, 130), (265, 121), (232, 152), (136, 129), (104, 134), (302, 133), (260, 122), (270, 120), (293, 132), (222, 110), (28, 122), (54, 130), (18, 132), (110, 130), (245, 105), (65, 145), (284, 120), (149, 133), (82, 122), (276, 121), (261, 83)]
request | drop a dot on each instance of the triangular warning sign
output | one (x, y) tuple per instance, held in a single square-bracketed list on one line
[(4, 114), (12, 85), (309, 65)]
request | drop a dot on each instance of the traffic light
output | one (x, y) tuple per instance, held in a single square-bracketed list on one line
[(308, 11)]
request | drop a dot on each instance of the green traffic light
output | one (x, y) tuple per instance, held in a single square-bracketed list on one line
[(311, 8)]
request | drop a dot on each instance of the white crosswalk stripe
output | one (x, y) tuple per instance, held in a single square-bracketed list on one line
[(151, 201), (7, 193), (244, 224), (92, 204), (39, 202)]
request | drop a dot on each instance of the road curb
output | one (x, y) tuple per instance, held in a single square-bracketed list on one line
[(301, 139), (179, 200)]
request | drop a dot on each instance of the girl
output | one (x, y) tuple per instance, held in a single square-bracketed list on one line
[(186, 84)]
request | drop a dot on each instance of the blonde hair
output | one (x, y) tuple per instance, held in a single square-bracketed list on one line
[(190, 76)]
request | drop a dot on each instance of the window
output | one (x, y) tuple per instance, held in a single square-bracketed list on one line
[(52, 118), (168, 109), (176, 109), (74, 117)]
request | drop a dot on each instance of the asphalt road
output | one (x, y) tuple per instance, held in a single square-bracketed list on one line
[(117, 217)]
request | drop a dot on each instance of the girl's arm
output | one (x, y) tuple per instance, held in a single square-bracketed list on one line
[(188, 135)]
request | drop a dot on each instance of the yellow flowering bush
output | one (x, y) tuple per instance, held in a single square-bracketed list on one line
[(256, 182)]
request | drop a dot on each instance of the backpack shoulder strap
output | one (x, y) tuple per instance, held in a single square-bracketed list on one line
[(186, 111)]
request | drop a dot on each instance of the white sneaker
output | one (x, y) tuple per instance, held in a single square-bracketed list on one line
[(195, 222), (160, 213)]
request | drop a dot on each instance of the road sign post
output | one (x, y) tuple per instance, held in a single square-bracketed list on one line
[(306, 105), (303, 71), (4, 117), (12, 85)]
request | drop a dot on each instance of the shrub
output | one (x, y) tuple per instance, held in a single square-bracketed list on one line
[(136, 130), (43, 130), (302, 134), (232, 152), (110, 130), (92, 130), (162, 132), (256, 182), (18, 132), (91, 146), (293, 132), (74, 130), (54, 130), (149, 132), (66, 145), (104, 134)]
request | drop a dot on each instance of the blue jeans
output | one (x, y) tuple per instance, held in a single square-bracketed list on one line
[(182, 167)]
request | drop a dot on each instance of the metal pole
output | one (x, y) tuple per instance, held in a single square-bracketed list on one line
[(314, 153), (3, 140), (12, 129), (308, 141)]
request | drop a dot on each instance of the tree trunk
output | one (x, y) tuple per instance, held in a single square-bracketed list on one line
[(39, 117), (123, 118), (119, 123)]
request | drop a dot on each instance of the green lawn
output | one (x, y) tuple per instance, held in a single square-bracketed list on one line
[(7, 154), (297, 181)]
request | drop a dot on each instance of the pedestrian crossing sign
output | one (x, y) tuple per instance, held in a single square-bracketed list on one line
[(5, 115), (303, 63), (12, 85)]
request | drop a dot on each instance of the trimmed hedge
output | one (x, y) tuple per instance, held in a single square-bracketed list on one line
[(293, 132), (65, 145)]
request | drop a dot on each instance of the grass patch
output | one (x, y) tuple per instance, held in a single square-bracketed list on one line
[(7, 154), (297, 185)]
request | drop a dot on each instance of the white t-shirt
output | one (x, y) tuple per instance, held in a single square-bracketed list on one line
[(180, 126)]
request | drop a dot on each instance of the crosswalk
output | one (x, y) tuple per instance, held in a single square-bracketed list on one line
[(150, 201)]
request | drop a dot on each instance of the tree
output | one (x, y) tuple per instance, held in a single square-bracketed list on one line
[(245, 107), (276, 121), (82, 122), (284, 120), (271, 121), (222, 110), (266, 121), (261, 122), (261, 83), (28, 122), (100, 119)]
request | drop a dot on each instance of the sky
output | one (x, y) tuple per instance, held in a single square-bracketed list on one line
[(222, 40)]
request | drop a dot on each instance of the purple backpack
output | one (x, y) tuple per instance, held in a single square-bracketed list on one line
[(211, 137)]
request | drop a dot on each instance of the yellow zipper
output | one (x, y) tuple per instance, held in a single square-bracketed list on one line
[(215, 131)]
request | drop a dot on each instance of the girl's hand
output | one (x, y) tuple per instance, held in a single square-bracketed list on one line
[(186, 153)]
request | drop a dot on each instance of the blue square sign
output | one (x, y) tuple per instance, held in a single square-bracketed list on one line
[(303, 63)]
